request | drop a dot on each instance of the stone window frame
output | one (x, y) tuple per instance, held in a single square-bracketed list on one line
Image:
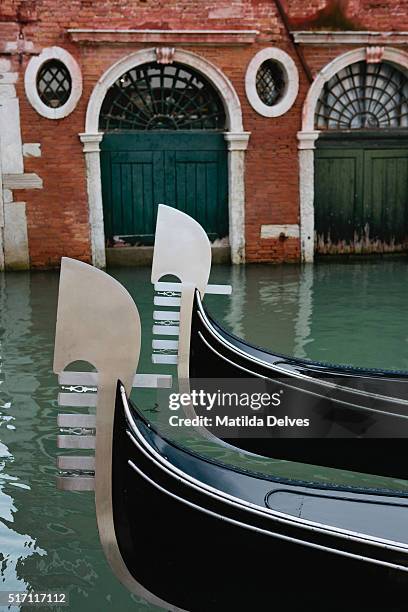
[(30, 82), (291, 76)]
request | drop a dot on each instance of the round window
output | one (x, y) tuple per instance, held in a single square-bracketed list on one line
[(271, 82), (54, 83)]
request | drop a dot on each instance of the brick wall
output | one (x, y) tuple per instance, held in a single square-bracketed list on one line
[(58, 214), (348, 14)]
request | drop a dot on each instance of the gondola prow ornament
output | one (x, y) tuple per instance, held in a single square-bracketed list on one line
[(97, 322), (181, 249)]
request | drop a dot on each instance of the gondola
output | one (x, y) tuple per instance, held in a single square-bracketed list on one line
[(207, 537), (358, 418)]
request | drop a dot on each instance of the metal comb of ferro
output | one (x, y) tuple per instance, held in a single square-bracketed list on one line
[(77, 430), (167, 322)]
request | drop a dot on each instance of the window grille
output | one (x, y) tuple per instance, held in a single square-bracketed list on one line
[(162, 97), (54, 83), (270, 82), (364, 96)]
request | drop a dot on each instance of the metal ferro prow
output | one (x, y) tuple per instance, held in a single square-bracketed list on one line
[(181, 249), (97, 322)]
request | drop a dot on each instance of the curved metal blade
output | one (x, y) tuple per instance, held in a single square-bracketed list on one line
[(97, 321), (181, 248)]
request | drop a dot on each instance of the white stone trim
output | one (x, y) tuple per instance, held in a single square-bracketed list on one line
[(177, 38), (14, 252), (14, 47), (291, 76), (306, 140), (149, 31), (27, 180), (32, 149), (306, 189), (91, 149), (236, 138), (237, 143), (321, 37), (30, 82), (276, 231), (11, 145), (8, 78), (7, 195), (308, 135)]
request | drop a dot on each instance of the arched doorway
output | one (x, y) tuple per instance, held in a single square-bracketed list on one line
[(361, 161), (163, 141), (235, 137), (313, 134)]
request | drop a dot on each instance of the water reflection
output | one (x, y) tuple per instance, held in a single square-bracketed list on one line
[(48, 539), (304, 315), (352, 313), (16, 544)]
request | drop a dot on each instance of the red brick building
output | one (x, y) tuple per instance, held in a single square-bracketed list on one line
[(279, 125)]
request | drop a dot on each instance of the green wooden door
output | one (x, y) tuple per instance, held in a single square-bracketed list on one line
[(385, 202), (338, 192), (361, 200), (140, 170)]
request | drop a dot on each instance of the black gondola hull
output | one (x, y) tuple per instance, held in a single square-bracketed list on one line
[(355, 426), (198, 552)]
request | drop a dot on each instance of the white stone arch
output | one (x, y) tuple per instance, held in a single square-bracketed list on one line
[(237, 141), (308, 135)]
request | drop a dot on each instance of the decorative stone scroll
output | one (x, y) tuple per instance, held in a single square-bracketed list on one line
[(165, 55), (374, 55)]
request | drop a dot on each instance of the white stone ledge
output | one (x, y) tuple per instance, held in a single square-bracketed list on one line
[(32, 149), (15, 47), (306, 140), (8, 78), (91, 141), (203, 37), (22, 181), (276, 231), (7, 195), (237, 141), (149, 31), (317, 37)]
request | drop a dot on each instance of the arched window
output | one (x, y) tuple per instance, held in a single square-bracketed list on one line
[(162, 97), (364, 96)]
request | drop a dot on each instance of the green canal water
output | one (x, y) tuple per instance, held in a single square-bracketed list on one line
[(348, 313)]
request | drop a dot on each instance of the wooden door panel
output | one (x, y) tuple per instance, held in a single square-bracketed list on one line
[(132, 183), (386, 200), (361, 200), (187, 171), (338, 204), (202, 190)]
